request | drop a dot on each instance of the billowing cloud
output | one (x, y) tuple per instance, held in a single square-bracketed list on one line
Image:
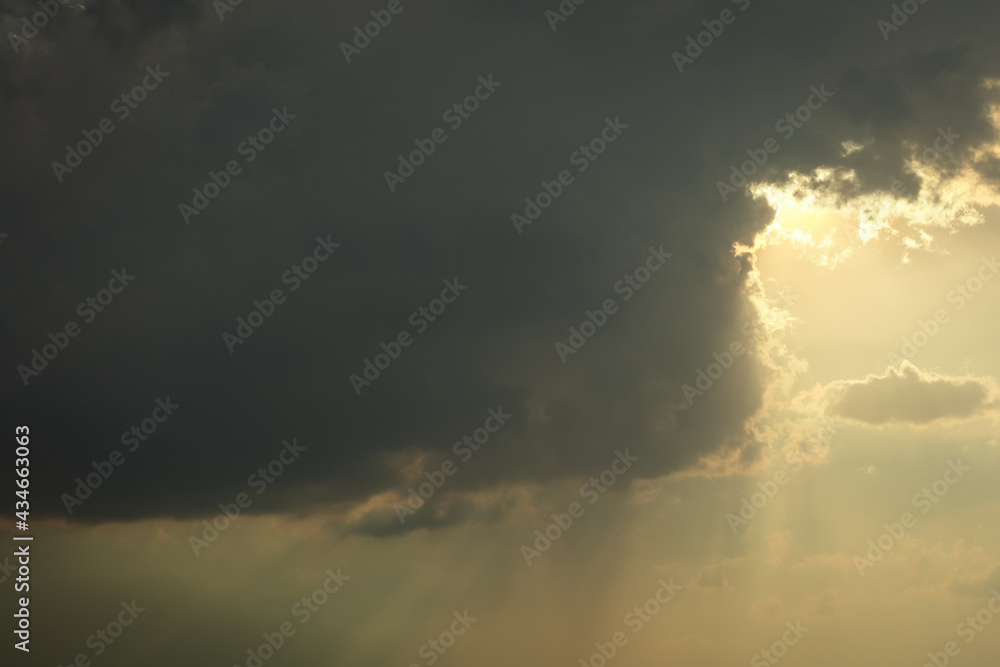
[(323, 177), (909, 395)]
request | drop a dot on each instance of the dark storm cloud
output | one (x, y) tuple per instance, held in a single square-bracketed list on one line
[(323, 175)]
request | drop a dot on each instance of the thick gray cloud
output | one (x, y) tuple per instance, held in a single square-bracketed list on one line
[(906, 395), (323, 175)]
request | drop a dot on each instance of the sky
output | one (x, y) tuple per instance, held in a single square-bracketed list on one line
[(404, 333)]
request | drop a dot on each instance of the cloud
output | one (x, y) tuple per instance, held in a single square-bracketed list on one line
[(909, 395), (723, 575), (712, 577), (975, 585), (435, 513), (324, 175)]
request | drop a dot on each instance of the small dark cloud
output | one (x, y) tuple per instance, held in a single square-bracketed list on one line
[(907, 395)]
